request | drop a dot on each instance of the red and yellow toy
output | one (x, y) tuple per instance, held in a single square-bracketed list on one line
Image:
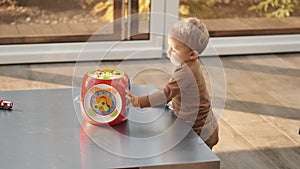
[(103, 96)]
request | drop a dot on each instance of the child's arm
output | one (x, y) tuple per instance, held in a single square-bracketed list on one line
[(160, 97), (155, 98), (134, 100)]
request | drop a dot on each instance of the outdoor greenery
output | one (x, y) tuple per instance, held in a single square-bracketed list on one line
[(209, 9), (239, 8), (104, 8), (276, 8), (7, 2)]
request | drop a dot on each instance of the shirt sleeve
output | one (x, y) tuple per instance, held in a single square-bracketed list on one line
[(172, 89)]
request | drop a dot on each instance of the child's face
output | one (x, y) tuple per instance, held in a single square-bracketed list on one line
[(178, 52)]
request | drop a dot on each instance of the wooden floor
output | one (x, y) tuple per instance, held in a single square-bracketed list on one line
[(260, 124), (45, 33)]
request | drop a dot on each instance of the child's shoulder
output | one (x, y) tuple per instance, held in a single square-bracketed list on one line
[(186, 70)]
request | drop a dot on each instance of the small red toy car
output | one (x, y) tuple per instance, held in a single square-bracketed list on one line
[(4, 104)]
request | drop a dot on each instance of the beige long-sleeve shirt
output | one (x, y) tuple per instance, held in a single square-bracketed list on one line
[(187, 90), (190, 100)]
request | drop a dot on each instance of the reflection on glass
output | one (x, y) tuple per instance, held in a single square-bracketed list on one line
[(144, 24), (139, 26)]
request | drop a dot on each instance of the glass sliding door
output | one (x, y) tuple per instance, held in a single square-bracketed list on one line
[(47, 31), (263, 25), (245, 17), (44, 21)]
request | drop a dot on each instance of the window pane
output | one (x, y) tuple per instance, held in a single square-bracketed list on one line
[(44, 21), (140, 21), (245, 17)]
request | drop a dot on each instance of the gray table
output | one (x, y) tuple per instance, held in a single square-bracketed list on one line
[(44, 130)]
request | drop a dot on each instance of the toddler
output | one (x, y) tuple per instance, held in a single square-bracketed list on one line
[(186, 88)]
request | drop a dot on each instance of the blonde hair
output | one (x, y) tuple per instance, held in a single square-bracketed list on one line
[(192, 32)]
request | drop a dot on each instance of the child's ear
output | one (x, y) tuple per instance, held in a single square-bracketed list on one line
[(193, 55)]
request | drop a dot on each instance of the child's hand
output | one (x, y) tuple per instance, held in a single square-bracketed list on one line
[(134, 101)]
